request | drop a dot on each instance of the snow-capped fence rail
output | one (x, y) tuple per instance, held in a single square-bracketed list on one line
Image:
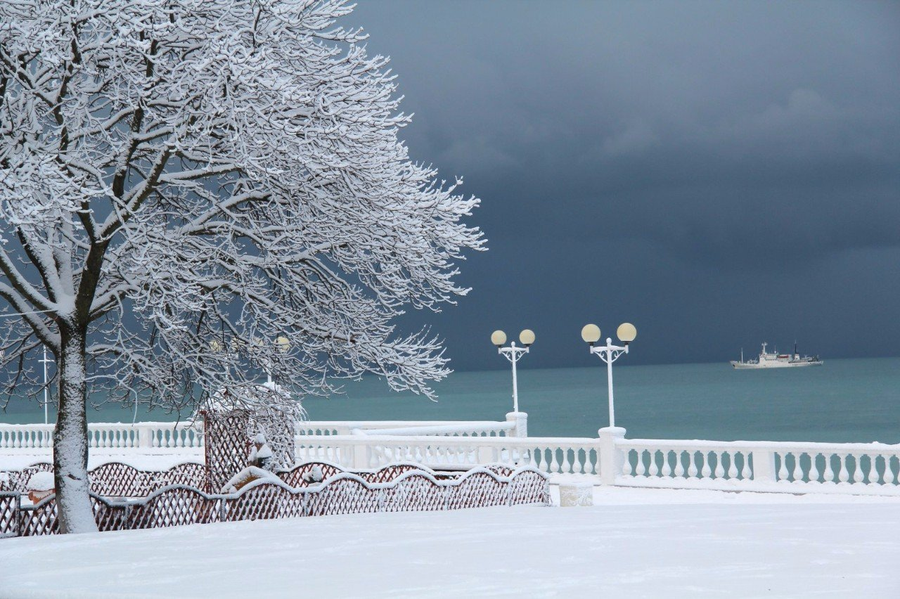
[(857, 468), (344, 493), (115, 479)]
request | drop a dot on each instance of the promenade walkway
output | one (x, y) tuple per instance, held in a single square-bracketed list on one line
[(632, 543)]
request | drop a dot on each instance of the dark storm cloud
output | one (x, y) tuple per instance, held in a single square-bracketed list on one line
[(727, 171)]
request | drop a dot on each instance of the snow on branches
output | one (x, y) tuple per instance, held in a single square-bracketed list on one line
[(183, 180)]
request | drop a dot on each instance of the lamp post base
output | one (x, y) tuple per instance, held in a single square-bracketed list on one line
[(611, 457), (521, 421)]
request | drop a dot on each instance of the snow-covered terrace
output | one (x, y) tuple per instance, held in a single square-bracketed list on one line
[(632, 543)]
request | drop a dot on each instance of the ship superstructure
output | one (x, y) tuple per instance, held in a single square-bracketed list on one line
[(776, 360)]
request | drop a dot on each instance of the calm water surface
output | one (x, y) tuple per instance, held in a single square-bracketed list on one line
[(842, 401)]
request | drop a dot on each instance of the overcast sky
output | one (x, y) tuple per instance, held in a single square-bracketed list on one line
[(719, 174)]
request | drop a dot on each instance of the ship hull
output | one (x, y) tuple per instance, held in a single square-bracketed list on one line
[(773, 364)]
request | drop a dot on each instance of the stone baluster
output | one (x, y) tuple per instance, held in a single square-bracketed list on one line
[(554, 465), (782, 470), (732, 465), (706, 470), (720, 469), (577, 465), (692, 464), (797, 474), (653, 470), (828, 474), (813, 470), (679, 464), (666, 467), (640, 469), (564, 467), (889, 470), (875, 476), (537, 455), (844, 475), (626, 465), (858, 470)]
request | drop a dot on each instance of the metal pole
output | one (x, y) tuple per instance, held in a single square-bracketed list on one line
[(46, 398), (514, 355), (609, 361)]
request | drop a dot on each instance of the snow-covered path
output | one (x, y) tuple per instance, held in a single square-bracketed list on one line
[(634, 543)]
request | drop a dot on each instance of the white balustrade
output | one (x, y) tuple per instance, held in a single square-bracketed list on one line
[(552, 455), (764, 466), (610, 459), (26, 436), (108, 436)]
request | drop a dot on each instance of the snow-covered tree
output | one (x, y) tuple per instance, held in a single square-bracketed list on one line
[(184, 181)]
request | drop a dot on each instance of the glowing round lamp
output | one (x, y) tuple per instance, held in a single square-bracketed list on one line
[(282, 343), (526, 337), (498, 338), (626, 332), (590, 333), (215, 345)]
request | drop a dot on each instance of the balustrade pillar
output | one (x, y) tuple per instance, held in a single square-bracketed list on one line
[(521, 421), (763, 465), (145, 438), (360, 456), (611, 457)]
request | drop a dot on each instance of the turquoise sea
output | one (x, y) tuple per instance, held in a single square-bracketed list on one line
[(854, 400)]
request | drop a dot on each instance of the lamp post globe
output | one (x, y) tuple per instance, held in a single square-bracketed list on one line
[(526, 337), (590, 333), (498, 338), (626, 332)]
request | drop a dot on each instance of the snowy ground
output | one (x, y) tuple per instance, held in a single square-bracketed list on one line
[(632, 543)]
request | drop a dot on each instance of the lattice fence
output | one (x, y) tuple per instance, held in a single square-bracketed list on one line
[(9, 514), (17, 480), (342, 493), (227, 445), (115, 479)]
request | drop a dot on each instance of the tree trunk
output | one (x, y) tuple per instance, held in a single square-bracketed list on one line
[(70, 441)]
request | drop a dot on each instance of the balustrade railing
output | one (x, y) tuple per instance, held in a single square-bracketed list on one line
[(551, 455), (611, 459), (187, 435), (26, 436), (870, 468), (104, 435)]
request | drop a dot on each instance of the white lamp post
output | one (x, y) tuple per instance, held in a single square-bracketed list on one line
[(283, 345), (44, 360), (513, 354), (609, 353)]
